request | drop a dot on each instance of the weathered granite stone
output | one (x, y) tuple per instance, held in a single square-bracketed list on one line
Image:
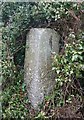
[(41, 43)]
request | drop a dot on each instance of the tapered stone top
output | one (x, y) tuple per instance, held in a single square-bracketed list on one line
[(41, 43)]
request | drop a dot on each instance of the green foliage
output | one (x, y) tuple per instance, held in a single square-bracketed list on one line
[(22, 16), (40, 116), (69, 79), (18, 18), (15, 101), (69, 69)]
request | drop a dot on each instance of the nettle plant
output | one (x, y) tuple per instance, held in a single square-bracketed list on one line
[(69, 70)]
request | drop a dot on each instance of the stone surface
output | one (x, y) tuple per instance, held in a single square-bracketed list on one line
[(41, 43)]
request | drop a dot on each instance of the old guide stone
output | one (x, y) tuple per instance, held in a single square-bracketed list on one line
[(41, 43)]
